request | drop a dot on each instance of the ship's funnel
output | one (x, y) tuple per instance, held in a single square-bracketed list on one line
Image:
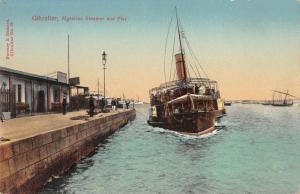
[(180, 67)]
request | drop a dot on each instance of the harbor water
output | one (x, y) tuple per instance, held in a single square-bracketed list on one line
[(255, 150)]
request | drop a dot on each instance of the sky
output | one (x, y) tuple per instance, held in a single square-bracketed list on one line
[(249, 46)]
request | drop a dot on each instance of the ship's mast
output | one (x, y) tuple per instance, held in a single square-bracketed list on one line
[(287, 93), (181, 50)]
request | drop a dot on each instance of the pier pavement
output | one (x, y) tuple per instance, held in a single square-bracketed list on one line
[(20, 128)]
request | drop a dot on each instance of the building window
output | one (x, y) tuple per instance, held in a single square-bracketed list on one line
[(3, 86), (19, 93), (56, 94)]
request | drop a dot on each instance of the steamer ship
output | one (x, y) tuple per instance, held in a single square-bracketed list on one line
[(186, 104)]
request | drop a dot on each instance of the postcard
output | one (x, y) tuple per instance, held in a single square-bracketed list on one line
[(141, 96)]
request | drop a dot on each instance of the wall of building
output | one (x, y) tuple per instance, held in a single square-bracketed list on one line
[(28, 92), (27, 164), (65, 90)]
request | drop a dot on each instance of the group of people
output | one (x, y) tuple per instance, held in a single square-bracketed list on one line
[(114, 104), (102, 104)]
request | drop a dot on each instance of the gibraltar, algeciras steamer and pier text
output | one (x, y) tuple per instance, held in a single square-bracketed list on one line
[(72, 18)]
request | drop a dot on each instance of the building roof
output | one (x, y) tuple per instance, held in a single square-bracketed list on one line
[(30, 75)]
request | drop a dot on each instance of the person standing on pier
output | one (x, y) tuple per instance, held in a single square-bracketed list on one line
[(113, 104), (102, 104), (92, 106), (127, 104), (64, 106), (117, 104)]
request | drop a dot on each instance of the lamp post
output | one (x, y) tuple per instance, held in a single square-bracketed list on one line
[(104, 63)]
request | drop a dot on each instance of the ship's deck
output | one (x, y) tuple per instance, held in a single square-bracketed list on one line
[(189, 83)]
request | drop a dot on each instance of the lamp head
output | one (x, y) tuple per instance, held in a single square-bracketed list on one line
[(104, 57)]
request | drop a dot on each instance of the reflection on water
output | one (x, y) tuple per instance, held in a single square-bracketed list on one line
[(255, 150)]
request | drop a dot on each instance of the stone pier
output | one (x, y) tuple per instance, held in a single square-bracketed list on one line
[(48, 145)]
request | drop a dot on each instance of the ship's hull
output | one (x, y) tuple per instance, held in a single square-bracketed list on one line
[(220, 113), (282, 104), (197, 123)]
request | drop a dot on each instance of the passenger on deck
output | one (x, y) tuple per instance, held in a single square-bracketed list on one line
[(196, 89), (176, 110)]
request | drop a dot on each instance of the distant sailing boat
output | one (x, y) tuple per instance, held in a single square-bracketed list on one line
[(187, 104), (282, 98)]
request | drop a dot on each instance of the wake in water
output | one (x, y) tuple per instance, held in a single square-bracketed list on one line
[(182, 135)]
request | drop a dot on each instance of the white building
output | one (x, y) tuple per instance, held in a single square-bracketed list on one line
[(22, 92)]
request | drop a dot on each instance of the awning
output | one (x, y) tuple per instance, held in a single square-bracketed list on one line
[(192, 96)]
